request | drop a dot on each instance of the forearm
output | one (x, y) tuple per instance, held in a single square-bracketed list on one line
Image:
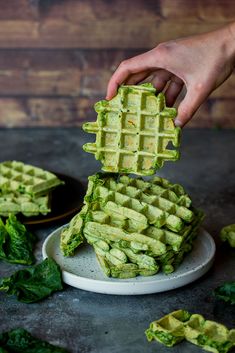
[(228, 36)]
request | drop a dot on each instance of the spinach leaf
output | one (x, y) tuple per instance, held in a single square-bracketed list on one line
[(226, 292), (34, 283), (21, 341), (3, 350), (16, 243)]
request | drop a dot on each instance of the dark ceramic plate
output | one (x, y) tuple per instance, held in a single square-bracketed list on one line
[(66, 200)]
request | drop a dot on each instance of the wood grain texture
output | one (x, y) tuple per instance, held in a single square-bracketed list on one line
[(52, 112), (19, 10), (57, 56), (216, 11), (109, 24), (58, 72), (60, 33), (68, 73), (33, 82)]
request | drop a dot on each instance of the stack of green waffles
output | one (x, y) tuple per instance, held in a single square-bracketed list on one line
[(135, 226), (25, 189)]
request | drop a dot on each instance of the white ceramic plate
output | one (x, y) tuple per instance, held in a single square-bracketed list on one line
[(82, 270)]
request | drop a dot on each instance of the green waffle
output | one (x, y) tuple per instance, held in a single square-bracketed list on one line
[(16, 203), (168, 330), (135, 226), (180, 325), (139, 203), (134, 248), (26, 179), (133, 131), (228, 234)]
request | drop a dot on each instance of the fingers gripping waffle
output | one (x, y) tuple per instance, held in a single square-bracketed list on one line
[(133, 131)]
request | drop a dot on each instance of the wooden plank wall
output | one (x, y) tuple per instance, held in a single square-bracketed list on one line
[(56, 56)]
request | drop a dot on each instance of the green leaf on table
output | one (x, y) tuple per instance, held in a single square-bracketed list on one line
[(21, 341), (16, 242), (34, 283), (226, 292), (2, 350)]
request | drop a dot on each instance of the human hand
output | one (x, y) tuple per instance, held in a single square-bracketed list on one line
[(201, 63)]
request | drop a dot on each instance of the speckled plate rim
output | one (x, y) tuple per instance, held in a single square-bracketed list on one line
[(149, 285)]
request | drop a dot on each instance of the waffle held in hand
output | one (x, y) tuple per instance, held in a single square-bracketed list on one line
[(179, 325), (133, 131), (135, 226)]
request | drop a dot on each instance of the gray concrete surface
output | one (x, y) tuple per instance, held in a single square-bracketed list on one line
[(86, 322)]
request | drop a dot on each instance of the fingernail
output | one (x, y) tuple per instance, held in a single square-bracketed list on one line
[(178, 123)]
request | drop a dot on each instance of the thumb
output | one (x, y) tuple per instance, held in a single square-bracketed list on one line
[(190, 104)]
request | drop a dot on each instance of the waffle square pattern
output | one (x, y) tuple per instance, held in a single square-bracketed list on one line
[(136, 227), (179, 325), (24, 178), (25, 189), (133, 131), (25, 204)]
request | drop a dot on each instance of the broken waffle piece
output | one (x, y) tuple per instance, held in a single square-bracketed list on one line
[(179, 325), (228, 234)]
